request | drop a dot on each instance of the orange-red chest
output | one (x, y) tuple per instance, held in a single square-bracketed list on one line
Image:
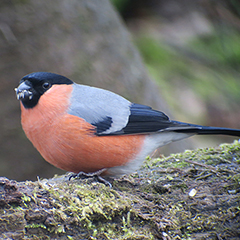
[(68, 142)]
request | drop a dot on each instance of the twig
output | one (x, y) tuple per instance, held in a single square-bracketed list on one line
[(202, 165)]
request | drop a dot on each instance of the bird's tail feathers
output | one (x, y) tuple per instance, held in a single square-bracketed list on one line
[(203, 130)]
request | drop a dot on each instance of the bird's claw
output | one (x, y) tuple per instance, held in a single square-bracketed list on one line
[(95, 175)]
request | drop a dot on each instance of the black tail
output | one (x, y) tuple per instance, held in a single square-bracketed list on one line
[(223, 131), (204, 130)]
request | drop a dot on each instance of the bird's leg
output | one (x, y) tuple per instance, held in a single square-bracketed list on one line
[(96, 175)]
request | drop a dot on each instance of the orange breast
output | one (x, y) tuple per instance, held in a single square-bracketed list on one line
[(68, 142)]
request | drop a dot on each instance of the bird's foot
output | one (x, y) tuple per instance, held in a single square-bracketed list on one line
[(95, 175)]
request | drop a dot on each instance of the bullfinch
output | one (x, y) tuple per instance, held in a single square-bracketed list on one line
[(79, 128)]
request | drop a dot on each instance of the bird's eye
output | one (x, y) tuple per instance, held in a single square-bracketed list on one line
[(46, 85)]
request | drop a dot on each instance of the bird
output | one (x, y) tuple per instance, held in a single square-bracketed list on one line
[(85, 129)]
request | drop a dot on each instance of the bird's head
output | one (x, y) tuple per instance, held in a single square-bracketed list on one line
[(34, 85)]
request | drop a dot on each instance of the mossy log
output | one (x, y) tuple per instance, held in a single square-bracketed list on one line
[(193, 194)]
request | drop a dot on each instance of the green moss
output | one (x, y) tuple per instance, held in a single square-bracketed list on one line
[(225, 153), (34, 225), (93, 207)]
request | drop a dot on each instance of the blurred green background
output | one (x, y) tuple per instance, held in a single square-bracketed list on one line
[(192, 50)]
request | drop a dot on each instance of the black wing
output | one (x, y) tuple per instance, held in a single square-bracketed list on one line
[(143, 119)]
